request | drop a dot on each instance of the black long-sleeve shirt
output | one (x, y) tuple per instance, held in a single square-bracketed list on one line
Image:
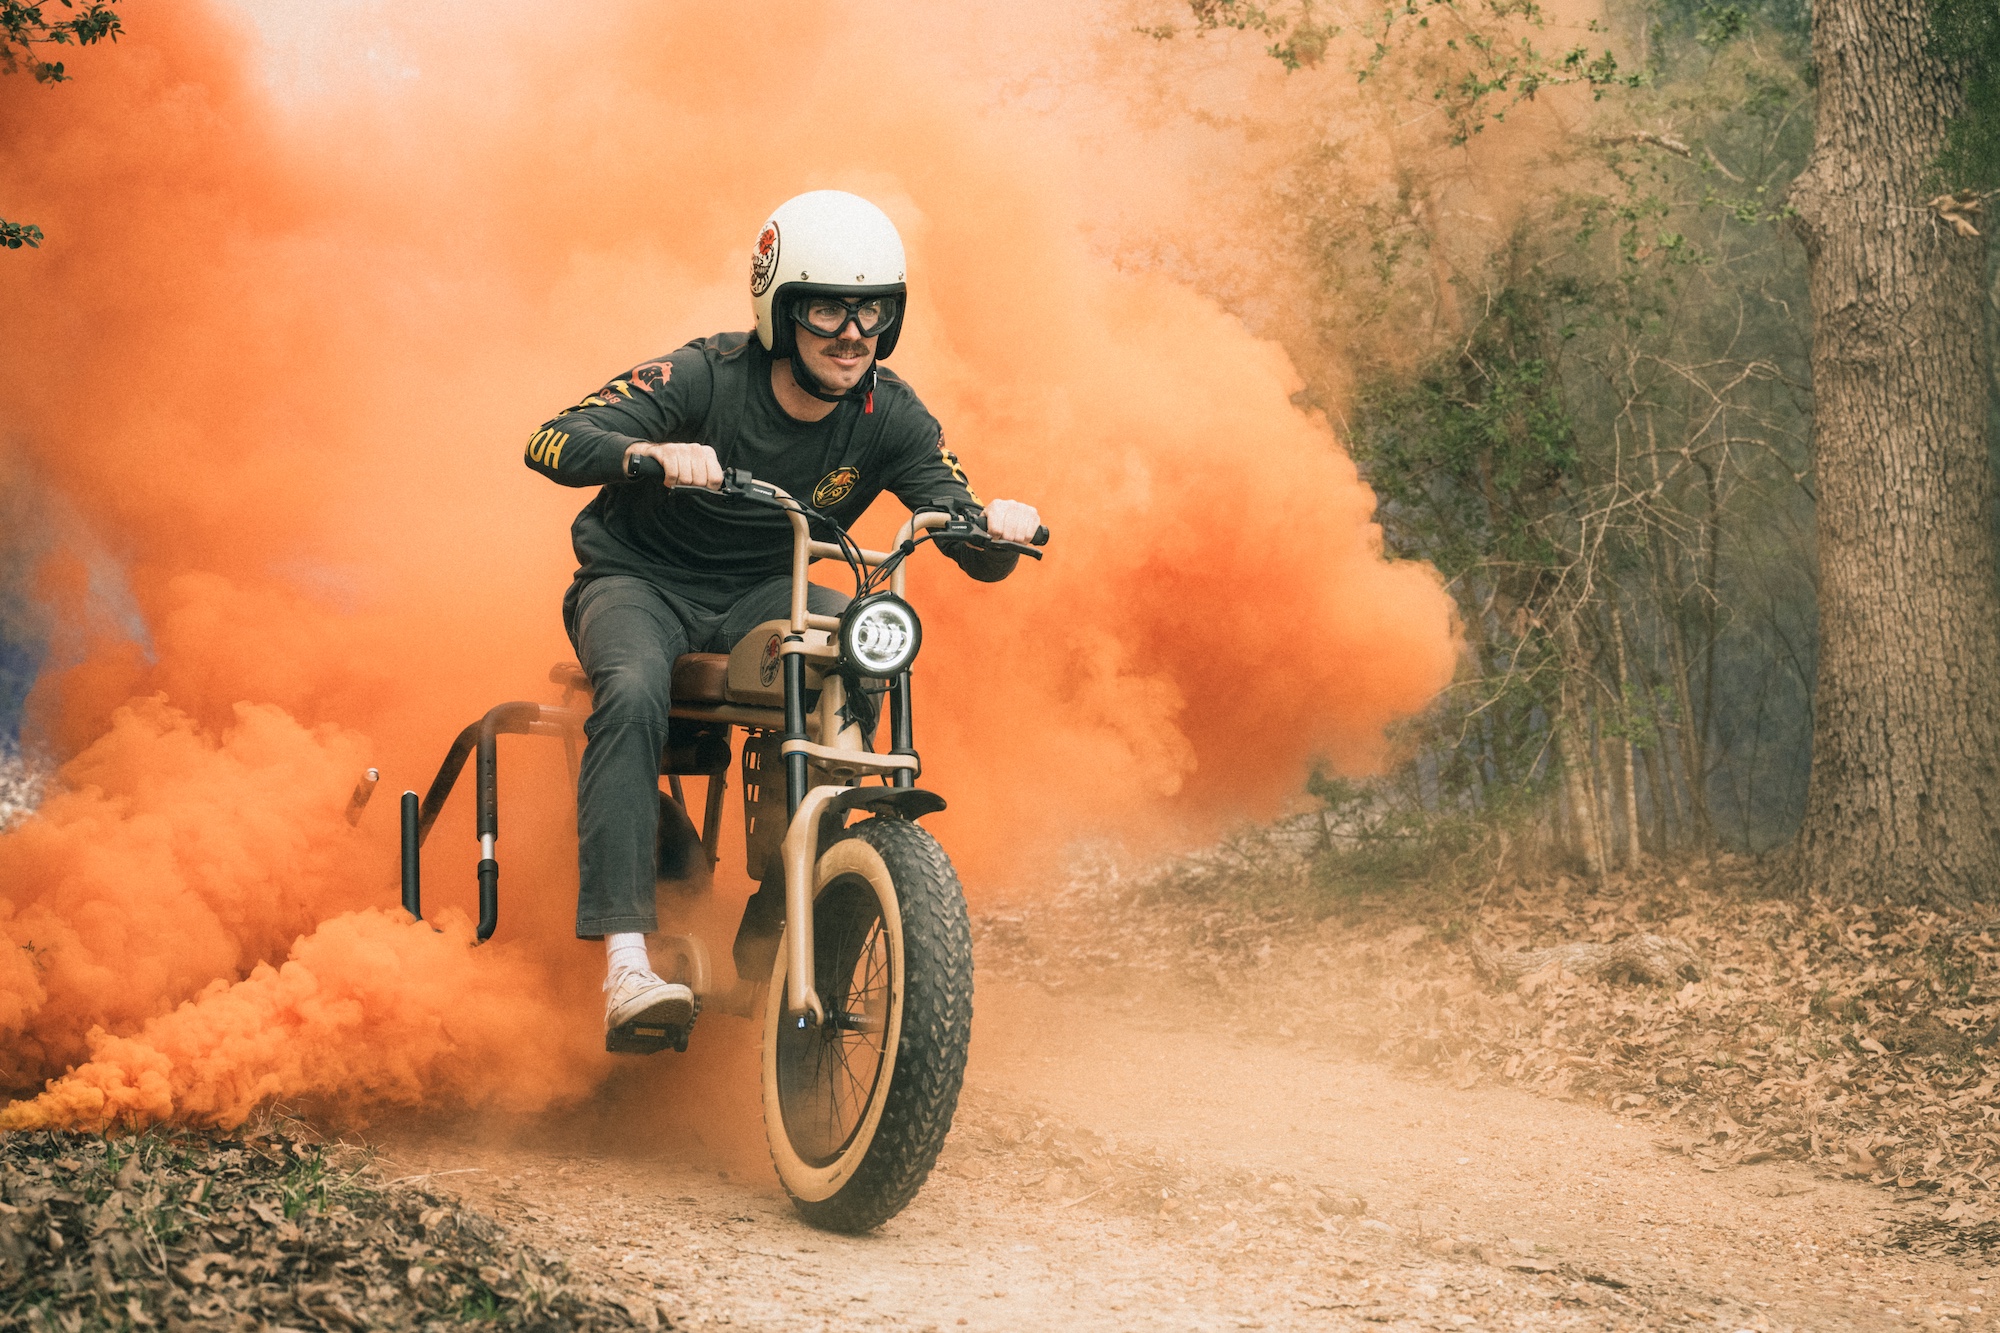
[(717, 391)]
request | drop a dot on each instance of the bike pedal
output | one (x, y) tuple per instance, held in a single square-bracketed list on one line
[(639, 1038)]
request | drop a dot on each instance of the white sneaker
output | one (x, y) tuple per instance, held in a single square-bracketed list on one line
[(636, 995)]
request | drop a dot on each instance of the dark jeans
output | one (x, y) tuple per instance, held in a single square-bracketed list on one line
[(627, 633)]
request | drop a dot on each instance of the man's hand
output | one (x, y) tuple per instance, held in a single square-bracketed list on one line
[(686, 464), (1012, 521)]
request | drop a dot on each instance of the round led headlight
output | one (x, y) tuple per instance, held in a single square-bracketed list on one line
[(880, 635)]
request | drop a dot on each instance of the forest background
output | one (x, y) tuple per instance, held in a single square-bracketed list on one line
[(1573, 359)]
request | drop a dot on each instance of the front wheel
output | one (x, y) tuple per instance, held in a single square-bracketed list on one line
[(857, 1108)]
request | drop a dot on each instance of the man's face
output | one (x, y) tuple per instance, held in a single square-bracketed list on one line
[(839, 361)]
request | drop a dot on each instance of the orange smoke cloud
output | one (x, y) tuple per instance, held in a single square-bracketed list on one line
[(275, 366)]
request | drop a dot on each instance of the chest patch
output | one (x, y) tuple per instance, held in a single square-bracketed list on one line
[(834, 487)]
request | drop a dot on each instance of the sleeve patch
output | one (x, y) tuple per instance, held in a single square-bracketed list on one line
[(546, 446), (653, 376)]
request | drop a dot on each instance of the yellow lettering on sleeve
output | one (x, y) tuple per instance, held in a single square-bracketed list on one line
[(951, 462)]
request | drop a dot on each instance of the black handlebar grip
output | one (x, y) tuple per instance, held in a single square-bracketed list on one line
[(644, 467), (1041, 537)]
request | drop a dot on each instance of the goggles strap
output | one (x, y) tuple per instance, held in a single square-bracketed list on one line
[(806, 380)]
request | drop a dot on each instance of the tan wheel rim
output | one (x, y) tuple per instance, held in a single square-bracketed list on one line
[(819, 1172)]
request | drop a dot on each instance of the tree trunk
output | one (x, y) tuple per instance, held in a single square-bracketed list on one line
[(1603, 793), (1632, 852), (1650, 958), (1570, 744), (1659, 787), (1711, 602), (1902, 804), (1694, 760)]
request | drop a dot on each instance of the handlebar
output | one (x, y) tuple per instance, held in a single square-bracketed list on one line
[(968, 525), (968, 522)]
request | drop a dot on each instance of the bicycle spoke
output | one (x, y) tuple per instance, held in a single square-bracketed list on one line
[(830, 1074)]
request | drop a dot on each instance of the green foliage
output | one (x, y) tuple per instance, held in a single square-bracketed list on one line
[(1301, 38), (304, 1184), (24, 26), (1581, 396), (1623, 402), (1482, 57), (1375, 842), (1712, 25), (1464, 452), (1966, 34)]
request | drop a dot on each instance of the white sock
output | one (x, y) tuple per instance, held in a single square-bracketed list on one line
[(626, 949)]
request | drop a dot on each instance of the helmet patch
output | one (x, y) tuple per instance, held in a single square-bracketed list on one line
[(764, 259), (834, 487)]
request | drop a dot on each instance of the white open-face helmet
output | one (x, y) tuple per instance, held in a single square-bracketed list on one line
[(825, 243)]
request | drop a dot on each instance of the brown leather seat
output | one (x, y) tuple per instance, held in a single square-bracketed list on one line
[(699, 678)]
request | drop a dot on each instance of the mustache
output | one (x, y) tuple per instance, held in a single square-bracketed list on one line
[(847, 347)]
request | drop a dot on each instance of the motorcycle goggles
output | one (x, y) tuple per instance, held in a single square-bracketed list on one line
[(829, 316)]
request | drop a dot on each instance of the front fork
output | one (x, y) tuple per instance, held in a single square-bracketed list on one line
[(801, 853), (801, 843), (806, 808)]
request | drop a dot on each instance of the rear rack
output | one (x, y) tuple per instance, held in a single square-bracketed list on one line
[(521, 719), (699, 752)]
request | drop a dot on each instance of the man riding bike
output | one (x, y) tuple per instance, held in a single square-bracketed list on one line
[(803, 402)]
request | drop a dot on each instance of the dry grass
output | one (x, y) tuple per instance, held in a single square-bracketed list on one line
[(266, 1230)]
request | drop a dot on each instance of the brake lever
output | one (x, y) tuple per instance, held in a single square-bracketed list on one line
[(737, 483), (963, 529)]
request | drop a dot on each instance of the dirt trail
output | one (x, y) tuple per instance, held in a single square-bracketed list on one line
[(1119, 1166)]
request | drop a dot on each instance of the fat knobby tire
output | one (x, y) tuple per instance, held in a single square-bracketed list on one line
[(937, 1032)]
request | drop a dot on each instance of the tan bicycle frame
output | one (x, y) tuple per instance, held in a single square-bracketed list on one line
[(827, 741)]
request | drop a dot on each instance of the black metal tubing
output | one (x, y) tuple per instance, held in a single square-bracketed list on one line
[(795, 726), (711, 816), (902, 739), (413, 893), (489, 898), (697, 748), (482, 736), (446, 779)]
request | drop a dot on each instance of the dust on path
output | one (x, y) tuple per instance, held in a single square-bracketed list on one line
[(1117, 1165)]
